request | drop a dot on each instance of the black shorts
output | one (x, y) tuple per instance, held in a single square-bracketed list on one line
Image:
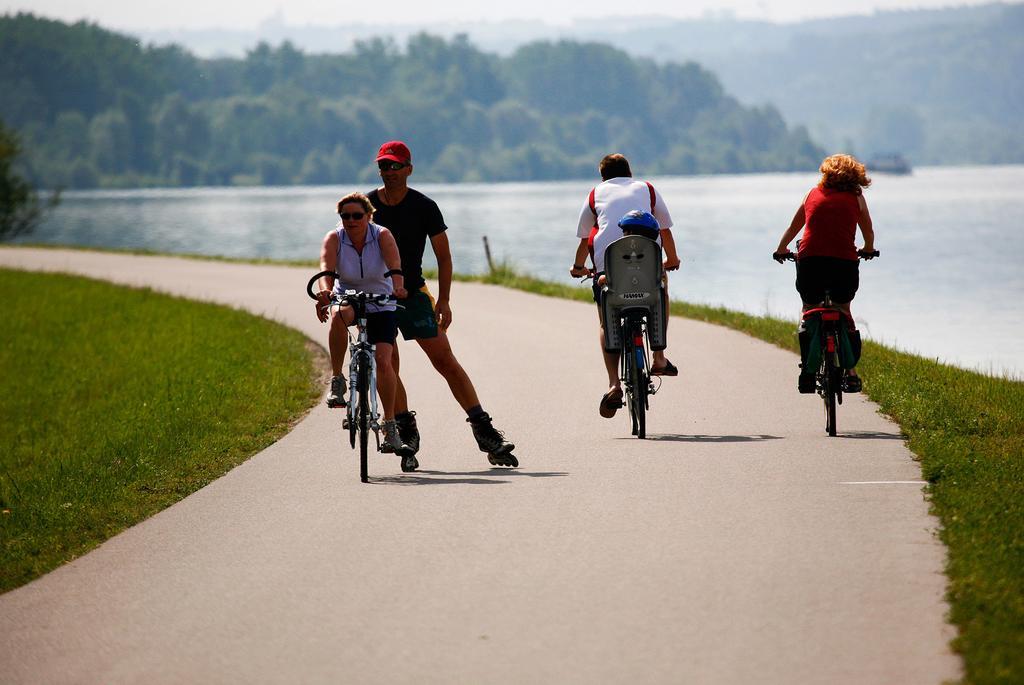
[(416, 318), (815, 275), (381, 327)]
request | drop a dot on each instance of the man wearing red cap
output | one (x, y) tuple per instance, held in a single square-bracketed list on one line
[(412, 218)]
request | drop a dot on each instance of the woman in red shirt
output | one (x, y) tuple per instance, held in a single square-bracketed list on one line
[(827, 257)]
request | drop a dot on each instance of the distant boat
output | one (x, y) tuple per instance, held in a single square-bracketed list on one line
[(889, 164)]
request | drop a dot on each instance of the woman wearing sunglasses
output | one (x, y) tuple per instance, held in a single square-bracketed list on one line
[(366, 258)]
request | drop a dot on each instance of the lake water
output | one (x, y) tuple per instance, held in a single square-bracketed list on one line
[(949, 284)]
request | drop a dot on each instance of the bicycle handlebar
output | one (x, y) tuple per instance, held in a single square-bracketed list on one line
[(377, 298), (781, 257), (309, 286)]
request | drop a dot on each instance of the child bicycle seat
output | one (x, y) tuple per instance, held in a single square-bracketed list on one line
[(634, 285)]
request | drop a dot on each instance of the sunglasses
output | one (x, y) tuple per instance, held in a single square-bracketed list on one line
[(355, 216), (391, 166)]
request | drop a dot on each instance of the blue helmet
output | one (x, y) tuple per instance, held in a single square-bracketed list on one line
[(640, 223)]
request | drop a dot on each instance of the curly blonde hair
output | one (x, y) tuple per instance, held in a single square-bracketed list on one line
[(360, 199), (843, 172)]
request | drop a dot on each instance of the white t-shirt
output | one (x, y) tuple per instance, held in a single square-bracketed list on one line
[(613, 199)]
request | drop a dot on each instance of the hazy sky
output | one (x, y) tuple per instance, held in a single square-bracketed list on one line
[(247, 14)]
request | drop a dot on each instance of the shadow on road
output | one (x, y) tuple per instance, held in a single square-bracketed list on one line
[(675, 437), (871, 435), (493, 476)]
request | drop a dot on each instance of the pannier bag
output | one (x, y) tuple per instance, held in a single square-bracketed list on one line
[(810, 354)]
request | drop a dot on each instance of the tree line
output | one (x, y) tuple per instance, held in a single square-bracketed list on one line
[(95, 108)]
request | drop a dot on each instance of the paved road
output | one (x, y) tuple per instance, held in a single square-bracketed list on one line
[(738, 545)]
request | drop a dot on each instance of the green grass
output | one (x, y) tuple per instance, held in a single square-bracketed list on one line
[(967, 431), (117, 402)]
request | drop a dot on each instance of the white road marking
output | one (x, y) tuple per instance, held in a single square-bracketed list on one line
[(883, 482)]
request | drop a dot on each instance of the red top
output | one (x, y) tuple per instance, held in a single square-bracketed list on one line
[(831, 224)]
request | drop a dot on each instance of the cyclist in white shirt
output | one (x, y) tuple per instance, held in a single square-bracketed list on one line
[(617, 195)]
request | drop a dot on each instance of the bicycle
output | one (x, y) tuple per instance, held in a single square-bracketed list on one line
[(361, 415), (833, 347), (633, 307)]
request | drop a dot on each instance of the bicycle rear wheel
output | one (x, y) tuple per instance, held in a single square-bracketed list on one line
[(627, 374), (640, 398), (637, 382), (363, 418), (829, 378)]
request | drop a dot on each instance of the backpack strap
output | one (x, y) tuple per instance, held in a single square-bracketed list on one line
[(593, 229)]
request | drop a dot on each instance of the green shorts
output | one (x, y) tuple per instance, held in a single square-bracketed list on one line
[(415, 315)]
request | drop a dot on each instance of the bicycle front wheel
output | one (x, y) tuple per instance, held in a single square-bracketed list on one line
[(353, 426), (363, 418), (352, 413)]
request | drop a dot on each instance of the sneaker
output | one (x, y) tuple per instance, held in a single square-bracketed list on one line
[(488, 438), (851, 384), (806, 383), (407, 430), (392, 443), (336, 397)]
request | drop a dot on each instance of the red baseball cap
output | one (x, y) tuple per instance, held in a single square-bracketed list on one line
[(395, 151)]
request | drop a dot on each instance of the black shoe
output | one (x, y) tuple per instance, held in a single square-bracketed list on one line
[(407, 430), (852, 384), (409, 463), (806, 383), (488, 438)]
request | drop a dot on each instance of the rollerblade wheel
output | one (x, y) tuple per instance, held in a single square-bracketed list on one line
[(507, 459)]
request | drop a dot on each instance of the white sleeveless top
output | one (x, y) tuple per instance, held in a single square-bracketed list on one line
[(363, 271)]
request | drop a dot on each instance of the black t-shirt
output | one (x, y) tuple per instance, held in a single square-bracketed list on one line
[(411, 221)]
